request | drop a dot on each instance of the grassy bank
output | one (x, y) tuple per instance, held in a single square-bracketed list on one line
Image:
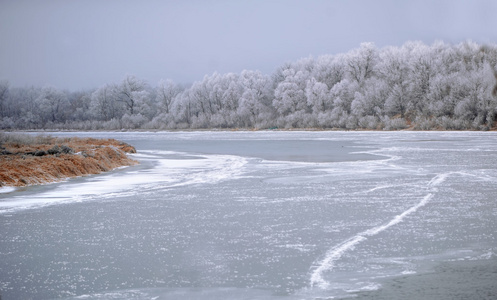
[(28, 160)]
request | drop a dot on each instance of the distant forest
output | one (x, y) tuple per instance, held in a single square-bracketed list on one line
[(415, 86)]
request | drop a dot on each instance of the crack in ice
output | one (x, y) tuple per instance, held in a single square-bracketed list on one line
[(335, 253)]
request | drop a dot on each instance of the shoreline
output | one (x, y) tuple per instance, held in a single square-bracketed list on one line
[(33, 160), (411, 128)]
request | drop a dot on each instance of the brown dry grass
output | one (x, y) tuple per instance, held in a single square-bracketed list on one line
[(91, 156)]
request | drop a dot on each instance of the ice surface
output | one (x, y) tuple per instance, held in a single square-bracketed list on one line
[(167, 172), (254, 215), (6, 189)]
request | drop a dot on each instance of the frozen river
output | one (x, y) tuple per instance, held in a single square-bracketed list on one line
[(253, 215)]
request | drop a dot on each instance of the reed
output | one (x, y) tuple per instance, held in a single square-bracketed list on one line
[(29, 160)]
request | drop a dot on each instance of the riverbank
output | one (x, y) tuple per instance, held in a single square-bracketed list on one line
[(30, 160)]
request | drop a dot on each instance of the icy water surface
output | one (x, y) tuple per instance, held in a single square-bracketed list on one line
[(253, 215)]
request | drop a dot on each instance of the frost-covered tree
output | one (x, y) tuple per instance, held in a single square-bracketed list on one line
[(361, 62), (53, 105), (477, 103), (318, 97), (188, 111), (440, 97), (440, 86), (166, 91), (231, 92), (132, 93), (4, 88), (290, 98), (104, 103), (423, 70), (24, 107), (394, 69), (330, 69), (255, 107), (200, 107), (80, 105)]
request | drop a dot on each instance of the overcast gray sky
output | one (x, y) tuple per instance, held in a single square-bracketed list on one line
[(79, 44)]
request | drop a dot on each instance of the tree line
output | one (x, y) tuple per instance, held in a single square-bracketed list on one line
[(417, 86)]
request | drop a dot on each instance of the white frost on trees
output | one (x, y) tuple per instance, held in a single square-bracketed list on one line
[(439, 86)]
